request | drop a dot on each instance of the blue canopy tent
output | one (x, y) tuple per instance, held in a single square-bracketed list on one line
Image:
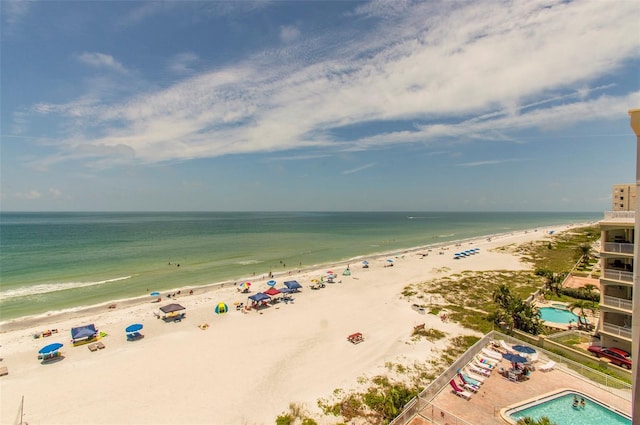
[(50, 351), (285, 290), (83, 334), (260, 296), (293, 285)]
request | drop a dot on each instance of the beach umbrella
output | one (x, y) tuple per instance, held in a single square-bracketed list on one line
[(365, 262), (133, 328), (245, 285), (515, 358), (271, 283), (389, 260), (51, 348), (155, 294), (221, 308), (524, 349)]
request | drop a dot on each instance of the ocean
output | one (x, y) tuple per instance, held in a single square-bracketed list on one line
[(62, 261)]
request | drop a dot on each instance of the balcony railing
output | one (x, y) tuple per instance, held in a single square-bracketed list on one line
[(616, 302), (625, 215), (620, 275), (617, 330), (622, 248)]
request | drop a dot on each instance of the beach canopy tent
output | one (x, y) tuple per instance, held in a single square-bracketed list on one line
[(82, 332), (171, 308), (272, 292), (285, 290), (293, 284), (260, 296)]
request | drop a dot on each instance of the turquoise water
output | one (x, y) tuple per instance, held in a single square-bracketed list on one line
[(55, 261), (560, 410), (557, 315)]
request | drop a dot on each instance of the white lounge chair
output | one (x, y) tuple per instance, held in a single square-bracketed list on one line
[(548, 366), (492, 354), (505, 346), (473, 375), (479, 371), (486, 360), (482, 366)]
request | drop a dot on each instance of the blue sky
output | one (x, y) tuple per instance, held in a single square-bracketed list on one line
[(341, 105)]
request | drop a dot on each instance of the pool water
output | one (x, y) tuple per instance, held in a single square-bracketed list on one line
[(556, 315), (559, 409)]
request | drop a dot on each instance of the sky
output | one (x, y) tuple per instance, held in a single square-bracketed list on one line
[(479, 105)]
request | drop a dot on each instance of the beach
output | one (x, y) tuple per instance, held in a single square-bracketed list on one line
[(246, 367)]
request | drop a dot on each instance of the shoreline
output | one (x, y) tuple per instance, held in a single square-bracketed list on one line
[(28, 321), (245, 367)]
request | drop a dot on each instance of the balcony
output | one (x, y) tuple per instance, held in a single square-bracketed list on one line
[(616, 302), (618, 247), (616, 330), (620, 275)]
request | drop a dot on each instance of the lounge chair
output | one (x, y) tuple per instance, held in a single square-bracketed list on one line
[(548, 366), (504, 346), (474, 376), (487, 361), (483, 366), (468, 383), (4, 371), (478, 370), (100, 345), (459, 391), (92, 347), (492, 354)]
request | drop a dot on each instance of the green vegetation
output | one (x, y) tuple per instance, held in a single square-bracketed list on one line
[(530, 421), (514, 313)]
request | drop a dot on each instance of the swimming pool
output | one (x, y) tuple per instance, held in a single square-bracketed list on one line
[(557, 315), (559, 409)]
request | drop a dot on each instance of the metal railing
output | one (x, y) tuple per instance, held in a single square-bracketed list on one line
[(622, 248), (609, 215), (617, 330), (611, 301), (620, 275)]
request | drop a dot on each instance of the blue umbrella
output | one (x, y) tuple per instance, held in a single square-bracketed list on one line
[(51, 348), (133, 328), (524, 349), (155, 294), (365, 262), (271, 283), (515, 358)]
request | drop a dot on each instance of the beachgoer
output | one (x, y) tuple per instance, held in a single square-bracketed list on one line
[(575, 401), (191, 292), (582, 402)]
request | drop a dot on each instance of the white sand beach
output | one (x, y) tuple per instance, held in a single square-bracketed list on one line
[(246, 367)]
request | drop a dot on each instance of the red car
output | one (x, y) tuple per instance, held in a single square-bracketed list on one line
[(615, 355)]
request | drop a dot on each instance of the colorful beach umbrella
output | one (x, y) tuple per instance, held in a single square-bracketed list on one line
[(133, 328), (245, 285), (271, 283), (51, 348), (221, 308)]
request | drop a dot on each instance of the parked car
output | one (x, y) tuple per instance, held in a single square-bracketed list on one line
[(615, 355)]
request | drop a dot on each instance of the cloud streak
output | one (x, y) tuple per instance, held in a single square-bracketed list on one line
[(450, 69)]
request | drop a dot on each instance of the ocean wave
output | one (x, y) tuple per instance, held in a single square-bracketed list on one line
[(48, 288), (447, 235), (249, 262)]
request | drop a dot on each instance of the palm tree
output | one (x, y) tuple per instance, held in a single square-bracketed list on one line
[(544, 420)]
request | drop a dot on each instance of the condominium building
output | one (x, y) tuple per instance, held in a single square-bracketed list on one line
[(624, 197), (617, 236)]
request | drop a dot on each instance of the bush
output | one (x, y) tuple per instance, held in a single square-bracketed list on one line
[(581, 294)]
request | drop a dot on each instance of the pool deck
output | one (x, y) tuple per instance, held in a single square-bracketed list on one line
[(497, 393)]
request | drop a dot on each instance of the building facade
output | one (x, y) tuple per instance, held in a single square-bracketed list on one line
[(617, 237), (624, 197)]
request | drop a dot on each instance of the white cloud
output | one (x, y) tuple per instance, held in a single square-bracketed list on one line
[(356, 170), (289, 33), (30, 195), (13, 12), (183, 62), (524, 65), (101, 60)]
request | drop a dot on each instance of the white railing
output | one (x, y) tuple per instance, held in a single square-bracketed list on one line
[(622, 248), (608, 215), (621, 275), (618, 302), (617, 330)]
